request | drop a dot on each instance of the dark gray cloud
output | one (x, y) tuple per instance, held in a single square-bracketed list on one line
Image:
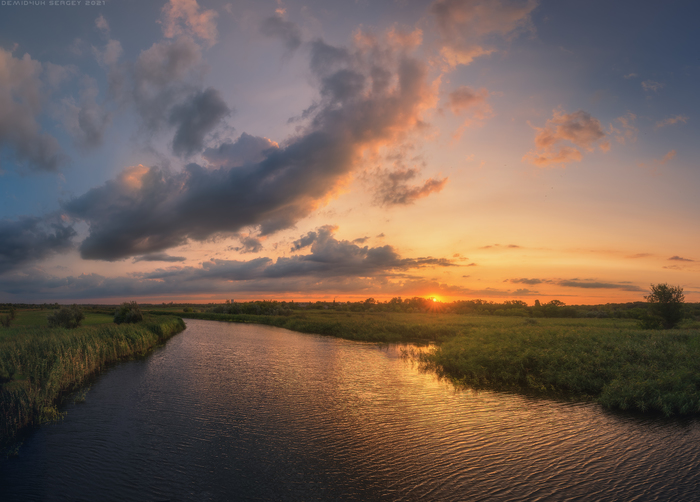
[(678, 258), (158, 209), (21, 95), (598, 285), (309, 238), (195, 118), (331, 265), (393, 187), (249, 244), (286, 31), (526, 281), (163, 87), (30, 239), (246, 149), (159, 257)]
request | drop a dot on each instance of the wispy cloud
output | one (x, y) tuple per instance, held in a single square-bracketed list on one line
[(468, 27), (672, 121), (159, 257), (652, 85)]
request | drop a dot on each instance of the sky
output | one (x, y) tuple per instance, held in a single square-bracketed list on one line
[(202, 150)]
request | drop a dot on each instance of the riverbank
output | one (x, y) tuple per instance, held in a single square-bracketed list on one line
[(610, 361), (39, 365)]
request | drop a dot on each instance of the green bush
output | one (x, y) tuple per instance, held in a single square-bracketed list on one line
[(665, 307), (129, 313), (66, 317)]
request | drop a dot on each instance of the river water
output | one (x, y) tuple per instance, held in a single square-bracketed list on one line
[(250, 412)]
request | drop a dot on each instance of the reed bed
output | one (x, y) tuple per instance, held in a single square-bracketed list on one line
[(39, 365)]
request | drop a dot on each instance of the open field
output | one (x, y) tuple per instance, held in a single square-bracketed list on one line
[(39, 365), (611, 361)]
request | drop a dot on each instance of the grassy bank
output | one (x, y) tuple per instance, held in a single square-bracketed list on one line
[(39, 365), (610, 361)]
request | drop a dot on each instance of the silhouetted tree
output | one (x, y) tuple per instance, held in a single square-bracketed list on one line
[(665, 307)]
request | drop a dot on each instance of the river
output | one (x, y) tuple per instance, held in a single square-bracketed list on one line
[(251, 412)]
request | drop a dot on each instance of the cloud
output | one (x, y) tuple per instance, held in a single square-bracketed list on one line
[(598, 285), (392, 187), (651, 85), (678, 258), (578, 128), (163, 87), (465, 26), (29, 239), (526, 281), (150, 209), (110, 55), (102, 25), (330, 265), (631, 75), (247, 149), (184, 17), (471, 102), (288, 32), (310, 238), (21, 92), (159, 257), (672, 121), (195, 118), (160, 79), (493, 246), (669, 156), (250, 244), (628, 131), (656, 163), (85, 120)]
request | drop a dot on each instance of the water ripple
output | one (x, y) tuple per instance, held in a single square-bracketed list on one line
[(245, 412)]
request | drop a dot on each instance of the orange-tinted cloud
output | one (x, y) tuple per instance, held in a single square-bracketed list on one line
[(553, 143), (185, 17), (464, 25), (470, 102)]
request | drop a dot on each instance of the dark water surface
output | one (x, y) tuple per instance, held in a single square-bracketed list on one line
[(250, 412)]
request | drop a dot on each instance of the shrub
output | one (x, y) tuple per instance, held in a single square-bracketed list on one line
[(665, 307), (128, 312), (66, 317)]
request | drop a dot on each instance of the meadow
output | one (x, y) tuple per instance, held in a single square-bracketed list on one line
[(40, 366), (610, 361)]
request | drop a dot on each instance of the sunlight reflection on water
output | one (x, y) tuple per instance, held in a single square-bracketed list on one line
[(240, 411)]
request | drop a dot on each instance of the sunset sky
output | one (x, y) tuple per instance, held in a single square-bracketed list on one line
[(207, 150)]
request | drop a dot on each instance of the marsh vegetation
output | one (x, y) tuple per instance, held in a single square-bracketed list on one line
[(39, 364), (611, 360)]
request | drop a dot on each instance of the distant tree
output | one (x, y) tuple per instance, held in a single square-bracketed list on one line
[(665, 308), (66, 317), (128, 312)]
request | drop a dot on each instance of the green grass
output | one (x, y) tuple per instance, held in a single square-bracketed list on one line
[(39, 365), (610, 361)]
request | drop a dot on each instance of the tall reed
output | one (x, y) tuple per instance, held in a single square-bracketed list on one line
[(38, 365)]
